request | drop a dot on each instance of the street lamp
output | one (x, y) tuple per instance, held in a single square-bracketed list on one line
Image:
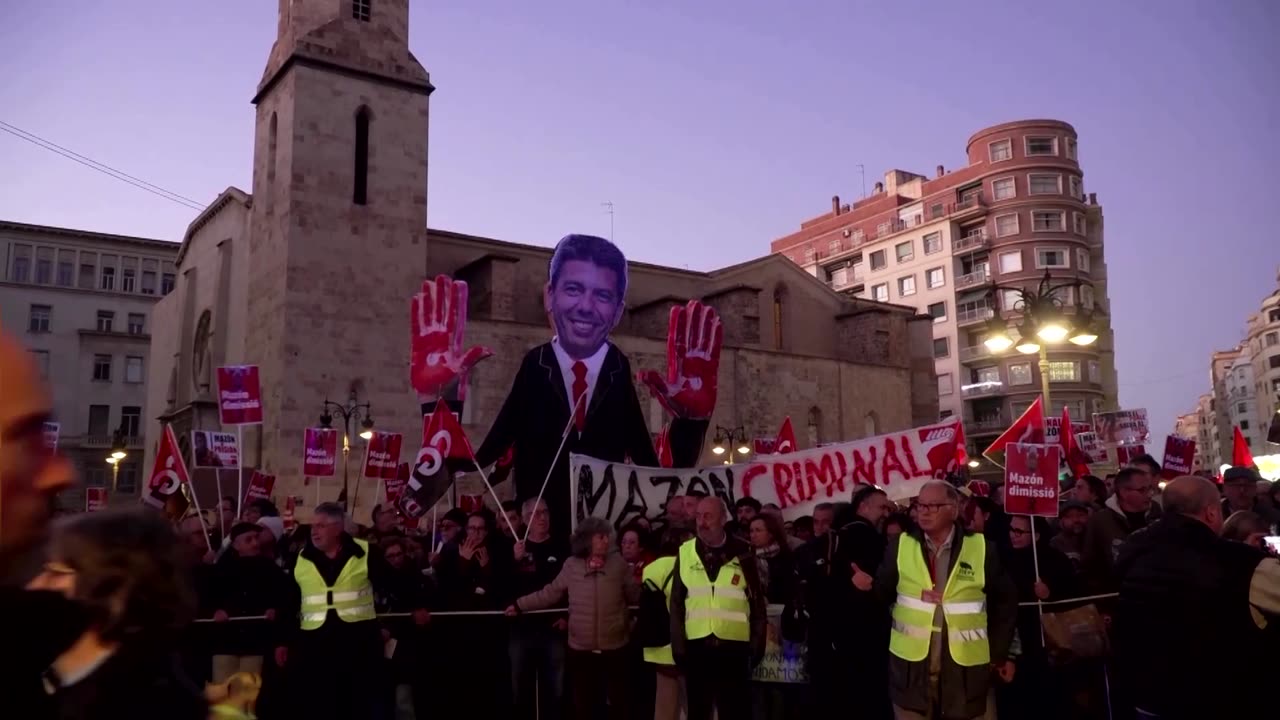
[(117, 456), (352, 410), (1043, 324), (730, 441)]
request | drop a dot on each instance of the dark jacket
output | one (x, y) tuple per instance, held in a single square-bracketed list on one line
[(840, 617), (963, 689), (134, 684), (713, 559), (780, 575), (37, 627), (1057, 574), (245, 587), (536, 412), (1185, 641), (467, 585), (1105, 532)]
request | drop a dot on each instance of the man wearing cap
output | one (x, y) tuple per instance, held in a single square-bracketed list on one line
[(1072, 516), (1240, 486), (36, 626)]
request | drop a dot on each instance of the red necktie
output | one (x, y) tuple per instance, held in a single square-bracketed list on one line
[(579, 395)]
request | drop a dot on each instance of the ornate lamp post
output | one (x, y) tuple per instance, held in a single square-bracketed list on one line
[(117, 456), (729, 441), (352, 411), (1043, 323)]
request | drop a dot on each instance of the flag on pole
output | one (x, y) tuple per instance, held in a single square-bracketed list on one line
[(786, 441), (1028, 428), (1072, 453), (1240, 455)]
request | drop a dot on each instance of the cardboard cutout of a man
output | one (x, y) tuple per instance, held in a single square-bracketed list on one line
[(580, 374)]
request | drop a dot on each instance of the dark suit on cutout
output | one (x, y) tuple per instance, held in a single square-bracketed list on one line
[(536, 412)]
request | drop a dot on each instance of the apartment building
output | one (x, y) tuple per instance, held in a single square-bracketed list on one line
[(958, 245), (1262, 342), (1208, 446), (82, 303)]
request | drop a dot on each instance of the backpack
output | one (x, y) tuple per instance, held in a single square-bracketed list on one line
[(653, 618)]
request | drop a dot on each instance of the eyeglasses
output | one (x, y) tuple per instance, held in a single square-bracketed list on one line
[(933, 507)]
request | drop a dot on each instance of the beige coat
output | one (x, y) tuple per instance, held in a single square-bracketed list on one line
[(599, 618)]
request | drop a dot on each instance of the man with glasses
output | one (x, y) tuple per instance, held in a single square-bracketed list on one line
[(1240, 486), (1130, 509), (953, 613)]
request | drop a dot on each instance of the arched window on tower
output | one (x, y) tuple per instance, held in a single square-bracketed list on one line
[(361, 9), (360, 193), (815, 427), (870, 425)]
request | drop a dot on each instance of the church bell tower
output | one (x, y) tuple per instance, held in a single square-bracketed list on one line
[(338, 226)]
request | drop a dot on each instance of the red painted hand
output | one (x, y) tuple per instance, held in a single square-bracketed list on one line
[(438, 319), (694, 336)]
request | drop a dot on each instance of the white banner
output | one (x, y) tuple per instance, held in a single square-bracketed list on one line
[(900, 463)]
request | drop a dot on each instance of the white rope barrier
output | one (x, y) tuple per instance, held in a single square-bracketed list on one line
[(443, 613), (1068, 601)]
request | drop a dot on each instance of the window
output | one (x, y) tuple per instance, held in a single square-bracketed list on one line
[(137, 322), (932, 243), (1009, 298), (987, 375), (1079, 224), (41, 358), (905, 251), (360, 188), (1010, 262), (1003, 189), (102, 368), (1020, 374), (1077, 191), (108, 278), (936, 211), (1047, 221), (129, 275), (833, 247), (105, 319), (99, 419), (1242, 408), (941, 347), (66, 268), (1006, 225), (810, 254), (39, 319), (131, 421), (1042, 146), (127, 479), (1051, 258), (44, 265), (1072, 149), (1273, 362), (880, 292), (133, 370), (945, 386), (879, 260), (935, 278), (857, 236), (1082, 259), (21, 269), (1095, 372), (1273, 316), (1064, 296), (1064, 371), (360, 9), (882, 229), (148, 277), (1273, 339), (907, 286), (88, 271), (1086, 296), (1244, 424), (938, 311), (1044, 185), (1000, 151)]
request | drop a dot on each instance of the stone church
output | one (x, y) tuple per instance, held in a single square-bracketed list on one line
[(310, 278)]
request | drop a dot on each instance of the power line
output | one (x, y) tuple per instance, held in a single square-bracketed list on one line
[(100, 167)]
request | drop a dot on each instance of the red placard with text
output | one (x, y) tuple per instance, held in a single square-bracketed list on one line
[(1031, 479), (382, 455), (1126, 454), (1179, 456), (259, 487), (239, 395), (320, 452), (95, 499)]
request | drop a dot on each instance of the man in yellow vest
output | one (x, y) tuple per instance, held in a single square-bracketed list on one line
[(953, 613), (718, 617), (335, 649)]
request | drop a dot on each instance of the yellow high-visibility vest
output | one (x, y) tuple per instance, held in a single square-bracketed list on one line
[(657, 572), (719, 608), (964, 604), (351, 596)]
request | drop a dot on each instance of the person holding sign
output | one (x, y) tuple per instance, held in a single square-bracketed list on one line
[(954, 610)]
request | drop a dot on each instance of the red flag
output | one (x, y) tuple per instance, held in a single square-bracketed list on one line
[(786, 442), (662, 445), (1028, 428), (169, 473), (1240, 455), (1071, 451), (443, 439), (290, 521)]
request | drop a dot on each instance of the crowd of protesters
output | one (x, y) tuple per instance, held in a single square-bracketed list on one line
[(940, 607)]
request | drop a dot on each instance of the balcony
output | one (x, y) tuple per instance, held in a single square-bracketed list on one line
[(974, 354), (983, 389), (971, 204), (973, 279), (992, 424), (100, 441), (976, 240), (973, 316)]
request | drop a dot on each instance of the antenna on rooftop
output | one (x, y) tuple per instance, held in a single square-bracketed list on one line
[(862, 170), (608, 206)]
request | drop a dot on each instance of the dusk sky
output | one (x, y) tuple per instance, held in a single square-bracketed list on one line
[(714, 127)]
